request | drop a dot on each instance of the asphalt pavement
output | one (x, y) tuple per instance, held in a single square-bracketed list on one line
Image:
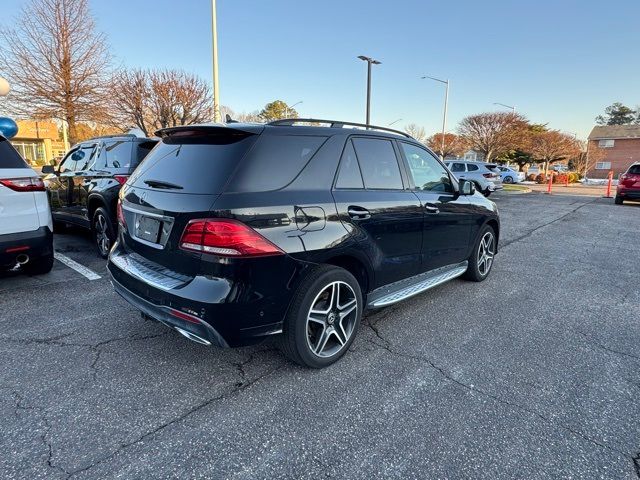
[(534, 373)]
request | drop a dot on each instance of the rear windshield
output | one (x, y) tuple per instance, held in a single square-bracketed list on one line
[(9, 158), (193, 164), (274, 162), (634, 169)]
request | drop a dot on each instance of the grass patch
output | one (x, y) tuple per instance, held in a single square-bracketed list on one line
[(510, 187)]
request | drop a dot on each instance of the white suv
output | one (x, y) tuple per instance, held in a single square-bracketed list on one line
[(486, 176), (26, 229)]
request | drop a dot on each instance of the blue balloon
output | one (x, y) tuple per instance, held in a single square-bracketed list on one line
[(8, 128)]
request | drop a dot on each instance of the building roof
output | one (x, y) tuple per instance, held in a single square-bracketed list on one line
[(615, 131)]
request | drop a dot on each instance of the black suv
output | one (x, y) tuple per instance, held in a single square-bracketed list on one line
[(83, 190), (233, 233)]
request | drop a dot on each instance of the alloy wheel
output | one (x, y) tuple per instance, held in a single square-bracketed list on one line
[(486, 251), (102, 236), (332, 319)]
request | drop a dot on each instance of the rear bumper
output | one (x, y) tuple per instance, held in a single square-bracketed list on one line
[(37, 243), (628, 193), (240, 309)]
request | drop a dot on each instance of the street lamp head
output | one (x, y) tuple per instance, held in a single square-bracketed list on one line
[(369, 59), (4, 87)]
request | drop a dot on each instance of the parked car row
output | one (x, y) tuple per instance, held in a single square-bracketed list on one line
[(234, 233)]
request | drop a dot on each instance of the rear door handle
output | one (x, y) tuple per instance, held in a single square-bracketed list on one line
[(358, 213), (431, 208)]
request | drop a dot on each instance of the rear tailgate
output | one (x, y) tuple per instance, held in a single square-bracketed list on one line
[(18, 210), (631, 179), (177, 182)]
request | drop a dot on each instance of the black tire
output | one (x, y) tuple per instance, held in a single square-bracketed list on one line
[(102, 232), (474, 271), (59, 227), (299, 333), (618, 200), (508, 179), (39, 266)]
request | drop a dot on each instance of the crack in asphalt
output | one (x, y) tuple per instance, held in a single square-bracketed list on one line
[(237, 387), (388, 346), (604, 347), (546, 224)]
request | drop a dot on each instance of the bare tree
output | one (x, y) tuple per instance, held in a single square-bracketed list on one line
[(56, 62), (552, 146), (454, 145), (586, 156), (153, 99), (416, 132), (494, 134)]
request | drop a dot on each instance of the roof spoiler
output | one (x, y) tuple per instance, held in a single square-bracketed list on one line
[(209, 128)]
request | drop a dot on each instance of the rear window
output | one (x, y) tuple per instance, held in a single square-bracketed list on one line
[(275, 162), (9, 157), (142, 150), (197, 163), (634, 169)]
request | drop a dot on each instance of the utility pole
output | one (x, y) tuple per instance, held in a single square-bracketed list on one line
[(216, 86)]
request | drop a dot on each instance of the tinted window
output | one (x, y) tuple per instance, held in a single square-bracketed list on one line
[(197, 163), (118, 154), (142, 150), (9, 158), (349, 175), (78, 159), (471, 167), (428, 173), (457, 167), (378, 163), (634, 169), (274, 162)]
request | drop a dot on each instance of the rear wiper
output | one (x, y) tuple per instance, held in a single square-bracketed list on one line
[(161, 184)]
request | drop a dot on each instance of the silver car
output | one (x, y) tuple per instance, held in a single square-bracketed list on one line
[(486, 176)]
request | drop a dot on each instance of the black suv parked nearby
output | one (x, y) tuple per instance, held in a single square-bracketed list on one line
[(230, 234), (83, 189)]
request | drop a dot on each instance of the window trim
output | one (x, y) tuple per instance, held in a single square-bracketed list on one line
[(405, 162), (596, 167), (604, 143), (399, 161), (334, 184)]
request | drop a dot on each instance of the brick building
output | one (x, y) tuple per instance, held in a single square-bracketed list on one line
[(620, 145)]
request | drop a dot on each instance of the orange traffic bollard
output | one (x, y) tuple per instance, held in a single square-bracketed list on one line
[(549, 184), (609, 182)]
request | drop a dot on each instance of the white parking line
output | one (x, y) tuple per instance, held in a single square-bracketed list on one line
[(81, 269)]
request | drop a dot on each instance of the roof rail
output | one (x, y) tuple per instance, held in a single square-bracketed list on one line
[(335, 124), (131, 135)]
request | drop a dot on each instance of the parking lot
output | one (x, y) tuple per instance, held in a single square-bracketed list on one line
[(534, 373)]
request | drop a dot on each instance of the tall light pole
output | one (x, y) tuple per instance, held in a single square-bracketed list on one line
[(369, 61), (216, 86), (446, 105), (288, 107), (513, 108)]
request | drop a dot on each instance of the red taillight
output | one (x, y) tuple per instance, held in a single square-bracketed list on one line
[(27, 184), (21, 248), (121, 179), (121, 220), (225, 237), (184, 316), (487, 175)]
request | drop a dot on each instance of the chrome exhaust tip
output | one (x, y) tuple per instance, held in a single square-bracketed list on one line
[(192, 337), (22, 259)]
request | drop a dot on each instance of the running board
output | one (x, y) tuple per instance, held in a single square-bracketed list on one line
[(403, 289)]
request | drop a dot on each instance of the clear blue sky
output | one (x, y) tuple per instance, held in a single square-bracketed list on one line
[(560, 62)]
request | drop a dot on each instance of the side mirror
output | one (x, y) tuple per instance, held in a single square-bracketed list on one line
[(467, 187), (48, 169)]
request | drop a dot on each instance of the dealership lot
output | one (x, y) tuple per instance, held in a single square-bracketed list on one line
[(532, 374)]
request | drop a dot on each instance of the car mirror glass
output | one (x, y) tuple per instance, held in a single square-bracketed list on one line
[(48, 169)]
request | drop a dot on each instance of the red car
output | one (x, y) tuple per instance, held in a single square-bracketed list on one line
[(629, 185)]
